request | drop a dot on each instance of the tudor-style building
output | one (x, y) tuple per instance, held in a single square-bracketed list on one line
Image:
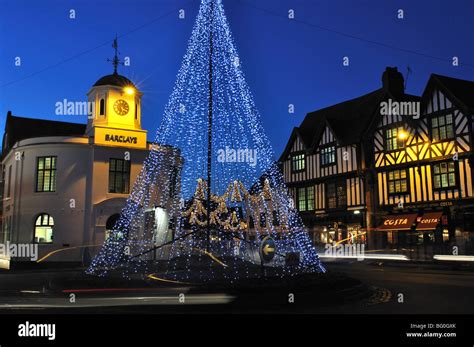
[(423, 168), (353, 169)]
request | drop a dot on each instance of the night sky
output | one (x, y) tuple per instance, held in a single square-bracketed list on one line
[(285, 62)]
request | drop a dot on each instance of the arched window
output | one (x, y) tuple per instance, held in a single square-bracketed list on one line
[(44, 226), (109, 225), (102, 107)]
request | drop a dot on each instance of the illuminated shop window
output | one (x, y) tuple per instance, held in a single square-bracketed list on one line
[(44, 226)]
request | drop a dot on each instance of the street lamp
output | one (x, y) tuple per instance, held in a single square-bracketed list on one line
[(129, 90), (402, 135)]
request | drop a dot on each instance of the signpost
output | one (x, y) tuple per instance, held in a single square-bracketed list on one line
[(267, 252), (267, 249)]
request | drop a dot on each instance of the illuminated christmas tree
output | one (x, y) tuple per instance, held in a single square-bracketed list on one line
[(210, 200)]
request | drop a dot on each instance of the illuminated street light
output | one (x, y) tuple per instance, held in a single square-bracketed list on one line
[(129, 90), (402, 135)]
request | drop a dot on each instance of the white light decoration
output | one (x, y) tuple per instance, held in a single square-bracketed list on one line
[(249, 199)]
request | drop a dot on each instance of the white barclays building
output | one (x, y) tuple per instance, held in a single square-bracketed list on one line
[(64, 184)]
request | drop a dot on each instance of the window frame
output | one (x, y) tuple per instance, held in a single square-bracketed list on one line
[(337, 183), (321, 155), (436, 116), (401, 144), (38, 170), (306, 201), (35, 225), (292, 158), (122, 172), (407, 179), (455, 172), (102, 107), (9, 181)]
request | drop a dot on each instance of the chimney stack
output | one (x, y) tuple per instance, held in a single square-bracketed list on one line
[(393, 81)]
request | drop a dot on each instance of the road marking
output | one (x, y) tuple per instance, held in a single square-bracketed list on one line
[(380, 296)]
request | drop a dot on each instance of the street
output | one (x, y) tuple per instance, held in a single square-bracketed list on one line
[(392, 288)]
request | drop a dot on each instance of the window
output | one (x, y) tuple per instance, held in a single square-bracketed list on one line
[(310, 198), (44, 229), (442, 127), (298, 162), (46, 174), (328, 155), (5, 235), (136, 110), (306, 198), (397, 182), (392, 141), (9, 181), (119, 176), (102, 107), (336, 194), (302, 199), (444, 175), (110, 224)]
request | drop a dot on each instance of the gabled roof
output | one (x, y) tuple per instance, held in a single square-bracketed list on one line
[(20, 128), (347, 120), (294, 135), (351, 120), (458, 90)]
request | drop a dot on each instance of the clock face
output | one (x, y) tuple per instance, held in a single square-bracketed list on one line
[(121, 107)]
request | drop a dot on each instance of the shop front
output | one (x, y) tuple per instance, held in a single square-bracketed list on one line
[(418, 235)]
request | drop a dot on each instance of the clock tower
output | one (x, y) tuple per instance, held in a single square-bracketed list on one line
[(114, 111)]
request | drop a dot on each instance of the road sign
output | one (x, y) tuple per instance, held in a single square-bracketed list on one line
[(267, 249)]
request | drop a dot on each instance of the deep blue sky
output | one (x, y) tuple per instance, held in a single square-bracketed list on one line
[(284, 62)]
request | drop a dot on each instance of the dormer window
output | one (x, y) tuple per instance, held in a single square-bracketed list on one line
[(298, 162), (328, 155), (394, 138), (442, 127)]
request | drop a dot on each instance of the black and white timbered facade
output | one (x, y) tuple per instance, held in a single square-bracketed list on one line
[(353, 166), (423, 165)]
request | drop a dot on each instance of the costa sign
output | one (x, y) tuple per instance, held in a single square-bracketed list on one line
[(398, 222)]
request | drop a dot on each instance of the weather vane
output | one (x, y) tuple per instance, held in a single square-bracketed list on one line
[(115, 61)]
